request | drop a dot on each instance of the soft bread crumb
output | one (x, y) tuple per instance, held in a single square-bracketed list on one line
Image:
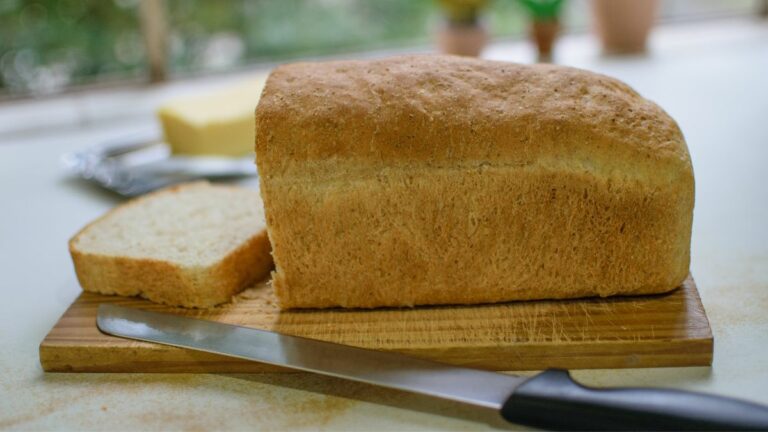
[(193, 245)]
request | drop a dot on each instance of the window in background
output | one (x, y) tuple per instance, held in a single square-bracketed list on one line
[(50, 45)]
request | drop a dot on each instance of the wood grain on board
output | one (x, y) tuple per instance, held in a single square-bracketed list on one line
[(650, 331)]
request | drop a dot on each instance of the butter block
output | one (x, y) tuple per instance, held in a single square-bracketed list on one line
[(218, 123)]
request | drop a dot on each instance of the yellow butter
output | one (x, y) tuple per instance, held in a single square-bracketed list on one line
[(219, 123)]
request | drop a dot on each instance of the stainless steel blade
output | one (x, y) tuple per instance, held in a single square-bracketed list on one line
[(477, 387)]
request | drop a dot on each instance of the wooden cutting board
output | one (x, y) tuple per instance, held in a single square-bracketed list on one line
[(650, 331)]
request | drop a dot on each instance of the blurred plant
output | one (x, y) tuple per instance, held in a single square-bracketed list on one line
[(463, 11), (543, 10), (545, 25)]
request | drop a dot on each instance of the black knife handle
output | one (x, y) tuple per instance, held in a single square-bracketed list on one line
[(553, 400)]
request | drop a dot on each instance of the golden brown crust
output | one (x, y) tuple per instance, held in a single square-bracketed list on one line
[(442, 110), (435, 179), (167, 282)]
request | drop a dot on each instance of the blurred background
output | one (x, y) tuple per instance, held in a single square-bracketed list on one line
[(54, 46)]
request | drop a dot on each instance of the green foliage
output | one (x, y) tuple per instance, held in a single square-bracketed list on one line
[(543, 9), (291, 28), (46, 45), (70, 40)]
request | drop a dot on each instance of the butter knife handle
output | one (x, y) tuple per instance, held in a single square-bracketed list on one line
[(553, 400)]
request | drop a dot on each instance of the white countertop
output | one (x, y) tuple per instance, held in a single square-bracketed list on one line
[(711, 77)]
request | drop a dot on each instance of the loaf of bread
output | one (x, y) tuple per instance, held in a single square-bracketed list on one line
[(445, 180), (194, 245)]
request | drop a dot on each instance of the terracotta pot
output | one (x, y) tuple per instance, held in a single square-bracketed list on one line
[(462, 39), (544, 34), (623, 25)]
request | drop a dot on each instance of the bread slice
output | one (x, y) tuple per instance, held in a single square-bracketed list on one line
[(193, 245), (439, 179)]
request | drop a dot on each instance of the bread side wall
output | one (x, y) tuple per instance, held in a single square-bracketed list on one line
[(401, 237)]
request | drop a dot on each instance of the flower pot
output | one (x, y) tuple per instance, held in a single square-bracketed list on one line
[(544, 34), (465, 39), (623, 26)]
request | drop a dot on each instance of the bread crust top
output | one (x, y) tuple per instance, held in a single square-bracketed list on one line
[(441, 110)]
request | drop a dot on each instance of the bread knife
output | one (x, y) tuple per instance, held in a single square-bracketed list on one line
[(548, 400)]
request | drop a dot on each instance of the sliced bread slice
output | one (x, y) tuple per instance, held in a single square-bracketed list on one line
[(193, 245)]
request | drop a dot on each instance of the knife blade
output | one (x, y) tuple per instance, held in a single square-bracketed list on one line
[(550, 400)]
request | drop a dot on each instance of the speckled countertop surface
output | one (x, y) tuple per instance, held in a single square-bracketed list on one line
[(710, 77)]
